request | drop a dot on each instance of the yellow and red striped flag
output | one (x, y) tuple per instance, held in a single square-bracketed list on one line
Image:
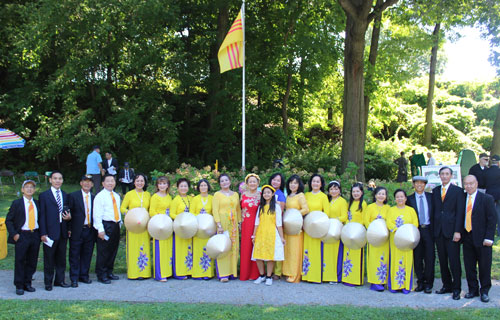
[(231, 51)]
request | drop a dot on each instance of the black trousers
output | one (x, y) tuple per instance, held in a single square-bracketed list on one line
[(96, 179), (80, 254), (107, 249), (54, 258), (449, 262), (481, 256), (26, 249), (425, 258), (126, 187)]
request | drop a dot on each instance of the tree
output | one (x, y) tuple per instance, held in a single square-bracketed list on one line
[(359, 14)]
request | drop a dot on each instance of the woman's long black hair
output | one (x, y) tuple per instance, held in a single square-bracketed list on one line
[(377, 190), (274, 175), (351, 199), (299, 181), (322, 182), (272, 203)]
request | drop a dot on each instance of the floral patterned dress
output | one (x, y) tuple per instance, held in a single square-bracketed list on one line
[(353, 264), (377, 258), (203, 266), (401, 264), (249, 206), (333, 252), (162, 249), (183, 248)]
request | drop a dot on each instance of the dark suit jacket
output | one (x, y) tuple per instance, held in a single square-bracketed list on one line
[(122, 174), (49, 216), (483, 218), (493, 182), (16, 217), (114, 163), (78, 214), (448, 216), (480, 175), (412, 202)]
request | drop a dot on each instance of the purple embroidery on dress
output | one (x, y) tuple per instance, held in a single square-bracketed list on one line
[(349, 215), (306, 264), (203, 211), (171, 261), (347, 265), (379, 217), (382, 270), (401, 274), (189, 259), (205, 260), (167, 212), (399, 221), (186, 209), (142, 260)]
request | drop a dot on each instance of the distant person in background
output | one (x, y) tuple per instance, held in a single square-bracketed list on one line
[(94, 167), (413, 164), (479, 171), (493, 185), (431, 161), (110, 165), (126, 177), (402, 168), (371, 185)]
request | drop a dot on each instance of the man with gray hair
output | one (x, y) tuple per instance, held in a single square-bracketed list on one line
[(493, 185)]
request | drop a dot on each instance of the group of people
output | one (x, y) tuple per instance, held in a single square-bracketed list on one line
[(446, 218)]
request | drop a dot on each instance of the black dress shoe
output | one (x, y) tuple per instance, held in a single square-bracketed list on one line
[(113, 277), (443, 291), (62, 285), (428, 290), (29, 288), (485, 298), (48, 287), (419, 288), (456, 295), (74, 284), (19, 292), (470, 295), (104, 280), (87, 280)]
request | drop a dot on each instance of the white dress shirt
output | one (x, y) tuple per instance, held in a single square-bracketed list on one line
[(85, 206), (54, 193), (27, 215), (103, 208)]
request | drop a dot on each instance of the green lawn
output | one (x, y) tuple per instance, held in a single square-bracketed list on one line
[(35, 309)]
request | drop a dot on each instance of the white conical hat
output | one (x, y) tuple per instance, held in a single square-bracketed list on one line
[(218, 246), (185, 225), (316, 224), (334, 231), (377, 233), (354, 235), (407, 237), (160, 227), (136, 220), (292, 222), (206, 226)]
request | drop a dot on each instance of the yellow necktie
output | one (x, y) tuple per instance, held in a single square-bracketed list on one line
[(31, 216), (443, 193), (468, 215), (88, 209), (115, 208)]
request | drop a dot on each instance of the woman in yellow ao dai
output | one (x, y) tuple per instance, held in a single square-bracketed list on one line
[(333, 252), (401, 264), (353, 260), (203, 266), (312, 262), (377, 258), (138, 244), (162, 249)]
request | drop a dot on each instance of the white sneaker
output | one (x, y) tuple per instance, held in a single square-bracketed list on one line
[(259, 280), (269, 281)]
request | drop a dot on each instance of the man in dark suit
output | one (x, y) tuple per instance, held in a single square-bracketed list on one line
[(83, 234), (478, 236), (448, 214), (110, 165), (424, 253), (479, 171), (54, 215), (126, 177), (22, 224), (493, 185)]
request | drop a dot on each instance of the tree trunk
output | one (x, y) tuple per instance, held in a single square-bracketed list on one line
[(301, 94), (432, 81), (284, 104), (495, 145), (354, 124)]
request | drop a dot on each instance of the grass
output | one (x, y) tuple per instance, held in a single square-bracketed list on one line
[(35, 309)]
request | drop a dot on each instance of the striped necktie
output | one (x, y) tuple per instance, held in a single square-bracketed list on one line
[(468, 215), (31, 216)]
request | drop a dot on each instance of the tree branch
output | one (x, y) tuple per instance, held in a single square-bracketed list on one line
[(349, 8), (380, 8)]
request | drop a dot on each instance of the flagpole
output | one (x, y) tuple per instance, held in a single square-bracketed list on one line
[(243, 93)]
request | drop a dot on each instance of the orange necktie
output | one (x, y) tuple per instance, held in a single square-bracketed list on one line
[(115, 208), (31, 216), (88, 209), (443, 193), (468, 215)]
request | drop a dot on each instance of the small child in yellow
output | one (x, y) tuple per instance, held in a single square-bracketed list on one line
[(268, 235)]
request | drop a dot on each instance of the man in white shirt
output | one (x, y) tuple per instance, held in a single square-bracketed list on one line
[(432, 161), (107, 222), (478, 236)]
